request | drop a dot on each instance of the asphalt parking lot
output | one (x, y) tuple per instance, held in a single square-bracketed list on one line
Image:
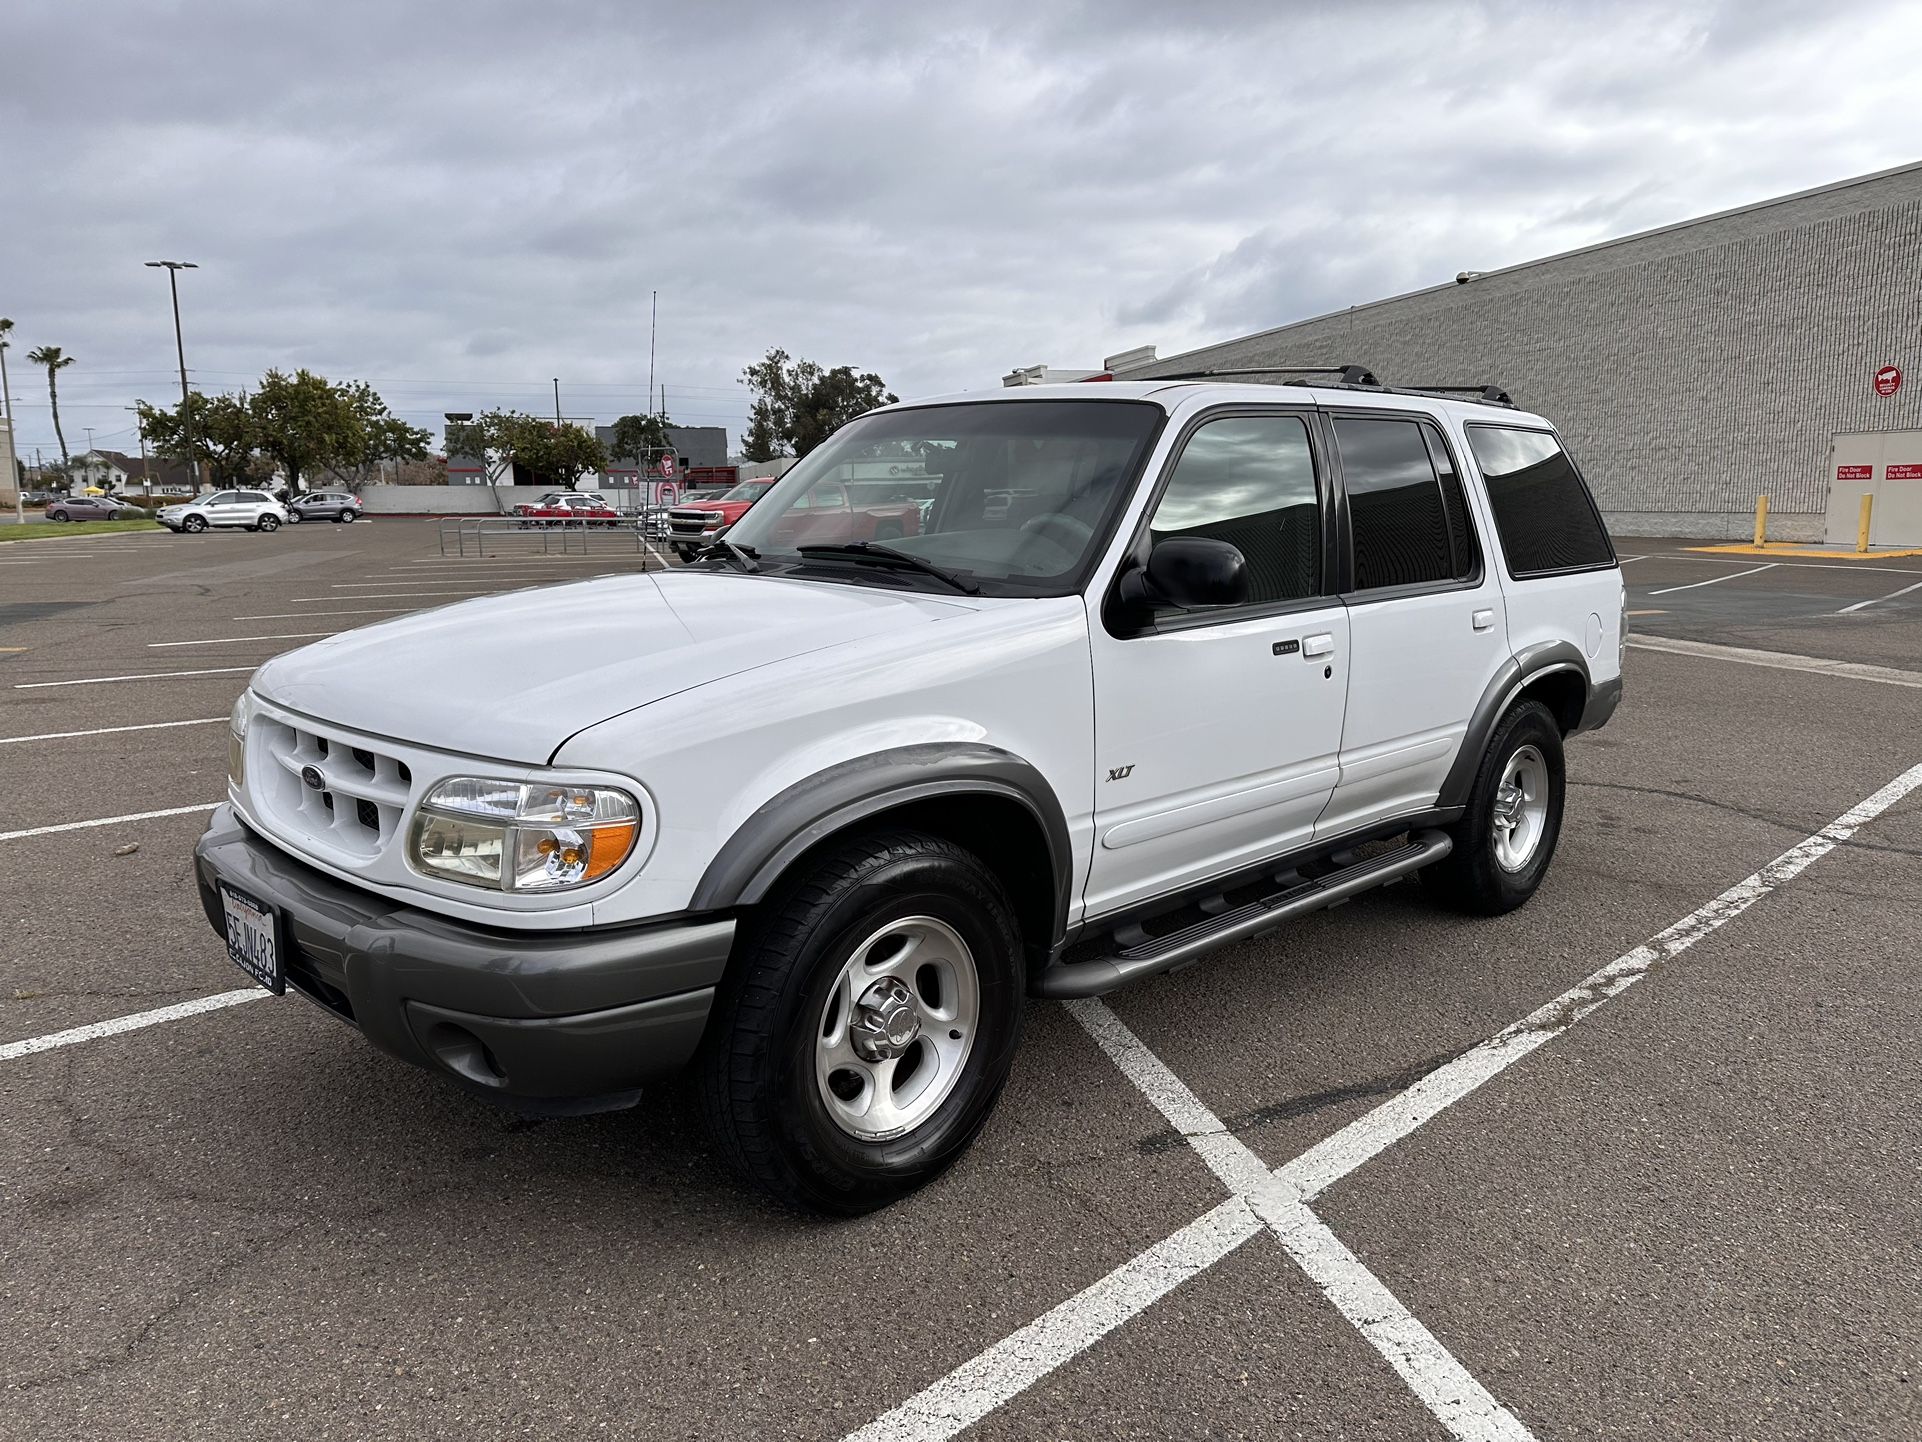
[(1639, 1160)]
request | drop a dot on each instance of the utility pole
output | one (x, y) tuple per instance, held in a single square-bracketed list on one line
[(146, 470), (557, 402), (173, 269), (653, 324), (13, 456)]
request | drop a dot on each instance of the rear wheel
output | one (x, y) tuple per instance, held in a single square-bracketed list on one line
[(267, 523), (346, 517), (887, 531), (867, 1023), (1506, 838), (60, 516)]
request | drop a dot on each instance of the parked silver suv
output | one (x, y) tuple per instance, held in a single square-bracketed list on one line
[(252, 510)]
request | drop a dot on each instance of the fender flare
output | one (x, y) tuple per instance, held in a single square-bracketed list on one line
[(792, 820), (1529, 664)]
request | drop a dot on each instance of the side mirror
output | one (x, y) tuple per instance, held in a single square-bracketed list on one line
[(1188, 573)]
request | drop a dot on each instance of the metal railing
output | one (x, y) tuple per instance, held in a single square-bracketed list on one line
[(527, 535)]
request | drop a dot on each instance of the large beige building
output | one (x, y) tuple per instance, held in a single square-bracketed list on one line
[(1691, 368)]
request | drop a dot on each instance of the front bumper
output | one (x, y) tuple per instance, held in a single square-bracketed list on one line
[(577, 1020)]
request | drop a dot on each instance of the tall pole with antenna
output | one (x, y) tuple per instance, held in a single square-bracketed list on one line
[(173, 269), (557, 400), (6, 410), (653, 324)]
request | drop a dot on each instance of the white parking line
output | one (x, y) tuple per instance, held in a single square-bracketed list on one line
[(235, 640), (302, 615), (103, 821), (1717, 580), (398, 595), (434, 581), (136, 676), (1878, 600), (108, 730), (1778, 660), (1008, 1368), (95, 1030)]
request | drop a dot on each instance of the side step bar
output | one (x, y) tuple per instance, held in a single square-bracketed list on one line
[(1149, 955)]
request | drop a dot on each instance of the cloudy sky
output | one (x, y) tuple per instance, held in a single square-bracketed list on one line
[(460, 201)]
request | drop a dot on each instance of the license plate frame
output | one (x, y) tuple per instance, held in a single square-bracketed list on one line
[(256, 940)]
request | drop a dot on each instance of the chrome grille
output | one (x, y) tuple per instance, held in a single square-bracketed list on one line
[(356, 808)]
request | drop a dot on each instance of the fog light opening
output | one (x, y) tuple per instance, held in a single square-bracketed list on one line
[(464, 1054)]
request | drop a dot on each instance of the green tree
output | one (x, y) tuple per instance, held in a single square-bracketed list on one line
[(222, 434), (555, 454), (797, 405), (636, 436), (55, 361), (303, 422)]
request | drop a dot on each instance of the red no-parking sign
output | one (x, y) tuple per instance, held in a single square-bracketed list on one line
[(1888, 380)]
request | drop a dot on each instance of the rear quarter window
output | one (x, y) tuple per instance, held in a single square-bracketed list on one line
[(1543, 511)]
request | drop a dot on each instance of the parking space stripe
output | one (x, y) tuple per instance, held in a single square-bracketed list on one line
[(1448, 1389), (135, 676), (1007, 1369), (1779, 660), (1878, 600), (361, 611), (1717, 580), (92, 1032), (469, 591), (236, 640), (108, 730), (104, 821)]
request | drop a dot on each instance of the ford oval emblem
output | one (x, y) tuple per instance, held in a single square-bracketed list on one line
[(311, 778)]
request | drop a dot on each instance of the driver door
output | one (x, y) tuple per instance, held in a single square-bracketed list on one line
[(1218, 731)]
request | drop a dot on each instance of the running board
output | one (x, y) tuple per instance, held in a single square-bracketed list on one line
[(1145, 955)]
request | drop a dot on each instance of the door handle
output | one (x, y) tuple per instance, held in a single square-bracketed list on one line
[(1484, 620), (1314, 646)]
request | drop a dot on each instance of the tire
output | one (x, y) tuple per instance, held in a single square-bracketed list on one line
[(887, 531), (194, 524), (267, 523), (780, 1109), (63, 516), (1493, 869), (294, 518), (346, 518)]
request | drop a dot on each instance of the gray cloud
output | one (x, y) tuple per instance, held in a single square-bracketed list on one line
[(459, 204)]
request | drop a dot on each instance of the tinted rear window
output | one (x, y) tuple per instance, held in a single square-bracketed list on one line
[(1401, 526), (1544, 513)]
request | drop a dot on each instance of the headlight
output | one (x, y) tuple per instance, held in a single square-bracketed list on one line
[(522, 836), (237, 738)]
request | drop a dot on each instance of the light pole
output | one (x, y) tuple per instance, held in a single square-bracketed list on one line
[(13, 440), (93, 461), (173, 269)]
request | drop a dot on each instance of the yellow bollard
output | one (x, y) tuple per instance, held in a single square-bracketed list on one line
[(1761, 520), (1862, 526)]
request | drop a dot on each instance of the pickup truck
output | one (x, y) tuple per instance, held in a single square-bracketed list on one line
[(694, 523), (1148, 669)]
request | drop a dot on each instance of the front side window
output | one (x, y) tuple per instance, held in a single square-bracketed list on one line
[(1012, 496), (1250, 481), (1546, 517), (1395, 507)]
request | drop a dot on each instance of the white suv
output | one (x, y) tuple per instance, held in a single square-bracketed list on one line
[(1151, 668), (253, 510)]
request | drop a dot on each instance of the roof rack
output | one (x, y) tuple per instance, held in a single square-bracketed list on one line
[(1350, 375), (1494, 395)]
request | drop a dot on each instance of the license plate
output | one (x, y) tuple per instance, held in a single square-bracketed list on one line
[(253, 938)]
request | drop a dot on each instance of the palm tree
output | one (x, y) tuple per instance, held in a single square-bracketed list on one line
[(51, 357)]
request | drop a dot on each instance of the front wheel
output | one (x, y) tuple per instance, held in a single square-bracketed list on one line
[(294, 517), (195, 524), (867, 1023), (1507, 836)]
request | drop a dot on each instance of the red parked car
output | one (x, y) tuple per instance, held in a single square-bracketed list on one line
[(556, 507)]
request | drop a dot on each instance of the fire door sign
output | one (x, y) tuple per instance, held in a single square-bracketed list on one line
[(1888, 380), (1855, 473), (1902, 473)]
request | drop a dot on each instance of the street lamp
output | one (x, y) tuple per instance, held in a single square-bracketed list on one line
[(173, 269)]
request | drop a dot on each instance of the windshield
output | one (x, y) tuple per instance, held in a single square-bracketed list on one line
[(746, 491), (1012, 494)]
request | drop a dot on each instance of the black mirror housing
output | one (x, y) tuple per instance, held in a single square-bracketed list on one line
[(1189, 573)]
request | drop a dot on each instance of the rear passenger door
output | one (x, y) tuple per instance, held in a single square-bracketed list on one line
[(1427, 627)]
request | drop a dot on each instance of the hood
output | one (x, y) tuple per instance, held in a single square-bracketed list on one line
[(513, 676)]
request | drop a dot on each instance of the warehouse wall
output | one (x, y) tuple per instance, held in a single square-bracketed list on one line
[(1690, 368)]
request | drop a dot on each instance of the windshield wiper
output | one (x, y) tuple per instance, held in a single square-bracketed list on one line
[(721, 548), (876, 553)]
